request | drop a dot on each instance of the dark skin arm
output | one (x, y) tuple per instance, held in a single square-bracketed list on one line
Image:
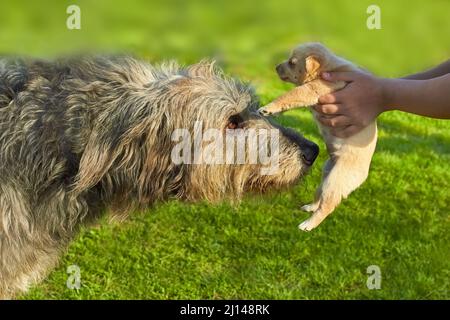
[(435, 72), (349, 110)]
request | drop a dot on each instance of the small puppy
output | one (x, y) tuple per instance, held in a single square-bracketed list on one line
[(349, 162)]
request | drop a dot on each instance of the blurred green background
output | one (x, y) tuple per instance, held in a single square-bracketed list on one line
[(398, 220)]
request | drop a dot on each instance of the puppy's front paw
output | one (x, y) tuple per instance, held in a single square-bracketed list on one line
[(310, 207), (308, 225), (264, 112)]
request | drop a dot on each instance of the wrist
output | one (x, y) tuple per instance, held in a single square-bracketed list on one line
[(387, 94)]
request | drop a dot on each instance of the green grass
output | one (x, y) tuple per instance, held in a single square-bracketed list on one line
[(397, 220)]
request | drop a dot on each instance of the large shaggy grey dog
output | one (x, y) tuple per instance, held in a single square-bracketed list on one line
[(85, 136)]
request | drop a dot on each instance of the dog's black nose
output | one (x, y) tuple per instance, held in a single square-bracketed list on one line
[(310, 153)]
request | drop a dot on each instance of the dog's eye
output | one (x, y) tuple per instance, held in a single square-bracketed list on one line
[(234, 122), (232, 125)]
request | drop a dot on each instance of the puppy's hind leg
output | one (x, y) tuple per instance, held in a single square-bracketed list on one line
[(341, 180), (311, 207)]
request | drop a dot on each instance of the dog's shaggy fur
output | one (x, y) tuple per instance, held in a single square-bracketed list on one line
[(80, 136)]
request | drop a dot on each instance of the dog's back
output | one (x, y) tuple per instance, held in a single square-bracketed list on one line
[(13, 78)]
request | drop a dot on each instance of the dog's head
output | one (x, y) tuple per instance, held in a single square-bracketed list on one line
[(304, 64), (239, 149), (191, 133)]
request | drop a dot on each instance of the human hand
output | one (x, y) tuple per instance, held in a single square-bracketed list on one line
[(349, 110)]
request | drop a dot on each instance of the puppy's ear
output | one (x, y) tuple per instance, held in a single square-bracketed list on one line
[(312, 67)]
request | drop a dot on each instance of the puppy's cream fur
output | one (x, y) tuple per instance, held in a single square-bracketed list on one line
[(349, 162)]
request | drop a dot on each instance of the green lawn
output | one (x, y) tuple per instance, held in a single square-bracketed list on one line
[(398, 220)]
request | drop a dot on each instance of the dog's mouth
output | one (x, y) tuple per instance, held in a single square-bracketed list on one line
[(308, 161), (309, 153)]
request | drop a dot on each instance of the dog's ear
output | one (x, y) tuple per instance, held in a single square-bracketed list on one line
[(111, 143), (96, 160), (312, 67)]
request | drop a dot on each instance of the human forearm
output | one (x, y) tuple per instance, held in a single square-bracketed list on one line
[(349, 110), (429, 98), (438, 71)]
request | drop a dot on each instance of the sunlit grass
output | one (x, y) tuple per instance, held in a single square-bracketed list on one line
[(397, 220)]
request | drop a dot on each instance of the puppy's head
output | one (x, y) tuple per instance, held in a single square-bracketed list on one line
[(304, 64)]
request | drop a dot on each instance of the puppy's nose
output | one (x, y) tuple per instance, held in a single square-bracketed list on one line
[(310, 153)]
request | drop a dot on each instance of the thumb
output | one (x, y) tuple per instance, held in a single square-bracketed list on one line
[(347, 76)]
